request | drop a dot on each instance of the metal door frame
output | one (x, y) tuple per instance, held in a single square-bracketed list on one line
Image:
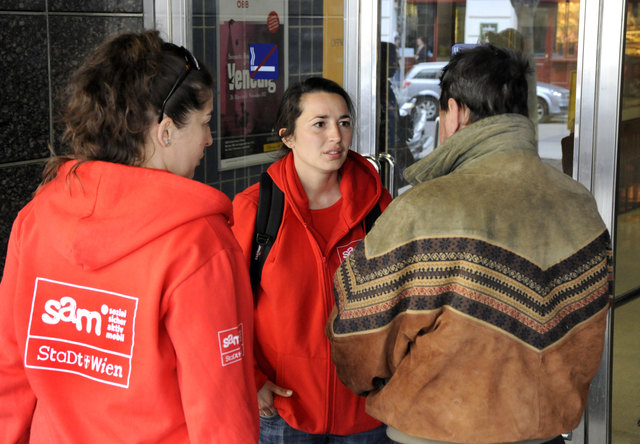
[(360, 73), (599, 68), (173, 18), (599, 84)]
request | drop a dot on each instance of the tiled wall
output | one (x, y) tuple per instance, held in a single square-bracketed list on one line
[(43, 41)]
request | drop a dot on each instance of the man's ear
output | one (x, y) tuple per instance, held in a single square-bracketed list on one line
[(455, 118), (449, 120), (459, 114), (464, 114)]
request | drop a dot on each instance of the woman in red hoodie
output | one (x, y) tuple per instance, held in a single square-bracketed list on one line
[(125, 305), (329, 190)]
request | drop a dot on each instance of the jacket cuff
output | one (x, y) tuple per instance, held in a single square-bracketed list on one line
[(261, 378)]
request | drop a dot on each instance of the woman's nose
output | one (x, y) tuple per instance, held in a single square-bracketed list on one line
[(335, 132)]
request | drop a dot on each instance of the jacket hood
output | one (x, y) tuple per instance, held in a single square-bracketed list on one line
[(360, 187), (488, 135), (103, 211)]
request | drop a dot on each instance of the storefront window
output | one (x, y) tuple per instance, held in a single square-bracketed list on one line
[(567, 29)]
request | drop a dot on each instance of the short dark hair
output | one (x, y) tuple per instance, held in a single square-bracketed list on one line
[(487, 80), (289, 109)]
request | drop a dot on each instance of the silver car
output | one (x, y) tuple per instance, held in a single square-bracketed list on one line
[(552, 100), (422, 83)]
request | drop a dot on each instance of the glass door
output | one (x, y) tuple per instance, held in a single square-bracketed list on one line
[(575, 47), (625, 404)]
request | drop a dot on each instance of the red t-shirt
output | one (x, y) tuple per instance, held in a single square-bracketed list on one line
[(324, 222)]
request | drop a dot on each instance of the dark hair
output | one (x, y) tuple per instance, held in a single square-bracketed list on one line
[(487, 80), (113, 98), (289, 109)]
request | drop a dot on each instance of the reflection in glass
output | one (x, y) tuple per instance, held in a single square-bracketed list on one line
[(546, 31), (625, 390), (628, 183), (626, 359)]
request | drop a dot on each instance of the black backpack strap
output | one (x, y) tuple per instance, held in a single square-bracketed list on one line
[(370, 219), (268, 220)]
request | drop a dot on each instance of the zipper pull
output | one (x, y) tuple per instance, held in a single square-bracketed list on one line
[(262, 240)]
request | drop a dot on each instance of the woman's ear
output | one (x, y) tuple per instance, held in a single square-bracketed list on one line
[(288, 140), (156, 144), (162, 133)]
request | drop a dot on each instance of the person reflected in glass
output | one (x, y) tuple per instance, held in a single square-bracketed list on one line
[(422, 52)]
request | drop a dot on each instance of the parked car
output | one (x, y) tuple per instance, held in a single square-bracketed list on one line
[(552, 99), (422, 83)]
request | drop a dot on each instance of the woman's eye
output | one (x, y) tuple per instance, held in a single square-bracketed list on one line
[(318, 124), (346, 123)]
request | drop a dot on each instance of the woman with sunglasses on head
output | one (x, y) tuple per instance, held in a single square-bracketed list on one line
[(329, 193), (125, 304)]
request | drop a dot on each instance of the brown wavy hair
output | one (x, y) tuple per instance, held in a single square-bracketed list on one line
[(114, 97)]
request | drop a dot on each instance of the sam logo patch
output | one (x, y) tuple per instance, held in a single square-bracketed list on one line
[(344, 251), (81, 330), (231, 345)]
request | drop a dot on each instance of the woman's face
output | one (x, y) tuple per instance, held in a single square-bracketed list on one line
[(322, 134), (188, 143)]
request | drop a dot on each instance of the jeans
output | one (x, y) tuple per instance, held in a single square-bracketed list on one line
[(557, 440), (274, 430)]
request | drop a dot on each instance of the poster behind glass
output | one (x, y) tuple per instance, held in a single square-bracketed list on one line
[(253, 76)]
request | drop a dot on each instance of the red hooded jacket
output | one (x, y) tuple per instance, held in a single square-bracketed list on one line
[(296, 296), (125, 314)]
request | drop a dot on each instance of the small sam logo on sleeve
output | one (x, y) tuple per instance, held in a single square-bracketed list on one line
[(231, 345)]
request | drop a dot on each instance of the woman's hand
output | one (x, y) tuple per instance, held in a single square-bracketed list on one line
[(265, 397)]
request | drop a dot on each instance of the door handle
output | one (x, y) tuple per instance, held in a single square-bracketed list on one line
[(374, 161), (390, 179)]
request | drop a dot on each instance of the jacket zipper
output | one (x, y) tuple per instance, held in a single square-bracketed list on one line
[(328, 305), (328, 285), (330, 375)]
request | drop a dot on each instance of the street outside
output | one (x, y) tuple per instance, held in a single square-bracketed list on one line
[(549, 142)]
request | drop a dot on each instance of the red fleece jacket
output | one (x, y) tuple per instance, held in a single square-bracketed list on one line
[(296, 296), (126, 314)]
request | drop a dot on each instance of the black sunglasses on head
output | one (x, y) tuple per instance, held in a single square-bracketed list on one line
[(190, 63)]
